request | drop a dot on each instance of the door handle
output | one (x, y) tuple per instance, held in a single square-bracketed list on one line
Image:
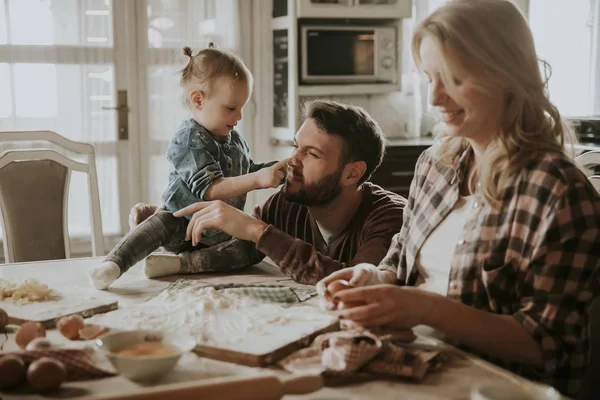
[(122, 114)]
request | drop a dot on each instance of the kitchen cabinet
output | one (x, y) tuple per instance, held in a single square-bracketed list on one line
[(398, 166), (353, 8)]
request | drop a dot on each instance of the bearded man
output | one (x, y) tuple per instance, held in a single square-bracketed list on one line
[(326, 217)]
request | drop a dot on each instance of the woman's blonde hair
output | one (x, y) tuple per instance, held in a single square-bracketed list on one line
[(207, 65), (490, 42)]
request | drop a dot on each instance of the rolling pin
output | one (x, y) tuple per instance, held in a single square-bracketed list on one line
[(262, 387)]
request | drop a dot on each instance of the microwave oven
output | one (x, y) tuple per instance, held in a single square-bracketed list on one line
[(348, 54)]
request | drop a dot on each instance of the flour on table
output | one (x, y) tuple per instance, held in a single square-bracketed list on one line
[(28, 291), (220, 318)]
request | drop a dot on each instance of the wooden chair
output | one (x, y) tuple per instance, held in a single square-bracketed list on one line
[(34, 187)]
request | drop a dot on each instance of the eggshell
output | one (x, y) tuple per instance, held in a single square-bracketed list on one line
[(12, 372), (337, 286), (29, 331), (69, 326), (40, 343), (3, 319), (91, 331), (46, 374)]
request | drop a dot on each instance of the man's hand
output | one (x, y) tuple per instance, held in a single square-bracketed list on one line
[(221, 216), (272, 176), (140, 212)]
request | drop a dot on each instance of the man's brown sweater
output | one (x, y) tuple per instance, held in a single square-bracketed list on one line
[(294, 242)]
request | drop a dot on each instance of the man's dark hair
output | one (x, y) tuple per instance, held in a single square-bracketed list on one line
[(362, 136)]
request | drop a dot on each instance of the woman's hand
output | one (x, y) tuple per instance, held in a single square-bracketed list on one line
[(388, 305), (360, 275)]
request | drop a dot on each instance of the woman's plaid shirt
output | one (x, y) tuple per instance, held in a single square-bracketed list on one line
[(536, 256)]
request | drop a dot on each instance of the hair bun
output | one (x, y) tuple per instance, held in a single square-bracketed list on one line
[(212, 45), (187, 51)]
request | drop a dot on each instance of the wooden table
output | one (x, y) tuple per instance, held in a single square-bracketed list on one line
[(454, 382)]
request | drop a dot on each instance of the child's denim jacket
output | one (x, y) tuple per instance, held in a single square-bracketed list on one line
[(196, 161)]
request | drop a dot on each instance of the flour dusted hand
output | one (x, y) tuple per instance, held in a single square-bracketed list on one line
[(363, 274), (103, 275), (157, 265)]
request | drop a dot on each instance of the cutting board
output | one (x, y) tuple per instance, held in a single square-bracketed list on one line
[(256, 335), (73, 301)]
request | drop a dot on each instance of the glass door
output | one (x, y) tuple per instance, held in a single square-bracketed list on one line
[(59, 72)]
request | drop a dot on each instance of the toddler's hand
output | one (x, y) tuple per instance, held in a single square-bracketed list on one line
[(272, 176)]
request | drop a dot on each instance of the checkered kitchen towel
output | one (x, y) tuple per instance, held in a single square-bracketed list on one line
[(360, 354), (265, 293), (81, 364)]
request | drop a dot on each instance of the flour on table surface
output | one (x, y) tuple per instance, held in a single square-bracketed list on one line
[(221, 318), (28, 291)]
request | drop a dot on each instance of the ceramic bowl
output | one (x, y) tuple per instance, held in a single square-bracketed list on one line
[(513, 391), (144, 367)]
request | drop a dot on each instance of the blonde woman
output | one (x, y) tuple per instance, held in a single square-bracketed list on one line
[(500, 245)]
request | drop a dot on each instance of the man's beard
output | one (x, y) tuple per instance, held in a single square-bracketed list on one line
[(321, 193)]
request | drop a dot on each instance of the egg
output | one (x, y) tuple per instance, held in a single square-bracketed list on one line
[(3, 319), (46, 374), (12, 372), (337, 286), (40, 343), (69, 326), (29, 331)]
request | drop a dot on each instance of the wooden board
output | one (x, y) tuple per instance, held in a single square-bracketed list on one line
[(261, 359), (73, 301), (243, 333)]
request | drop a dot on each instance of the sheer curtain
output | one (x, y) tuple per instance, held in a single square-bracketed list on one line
[(56, 73)]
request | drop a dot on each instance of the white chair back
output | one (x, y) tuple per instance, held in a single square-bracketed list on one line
[(52, 157)]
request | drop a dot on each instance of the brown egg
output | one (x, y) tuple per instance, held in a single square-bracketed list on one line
[(46, 374), (12, 372), (337, 286), (3, 319), (69, 326), (40, 343), (29, 331)]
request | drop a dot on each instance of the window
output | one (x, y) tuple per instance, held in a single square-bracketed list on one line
[(565, 34), (56, 73)]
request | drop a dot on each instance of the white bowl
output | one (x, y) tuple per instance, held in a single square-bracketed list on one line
[(142, 368), (513, 391)]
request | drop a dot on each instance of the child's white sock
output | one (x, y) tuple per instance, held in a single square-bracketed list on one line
[(161, 264), (103, 275)]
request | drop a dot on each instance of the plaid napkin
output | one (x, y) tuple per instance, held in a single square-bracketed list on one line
[(80, 363), (359, 353), (266, 293)]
